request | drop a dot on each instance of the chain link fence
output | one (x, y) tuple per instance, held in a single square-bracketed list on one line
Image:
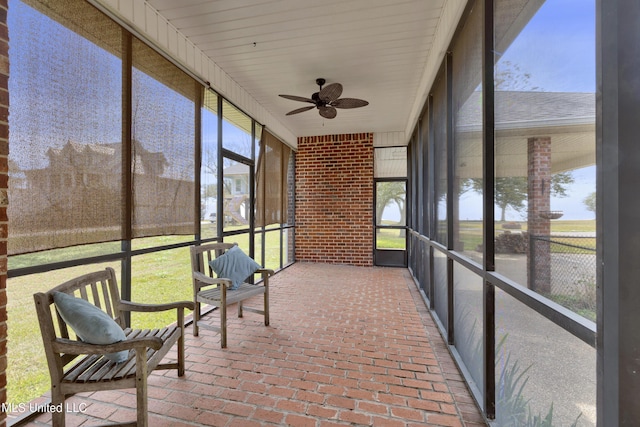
[(571, 270)]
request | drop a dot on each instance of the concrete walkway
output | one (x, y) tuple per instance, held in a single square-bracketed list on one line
[(346, 346)]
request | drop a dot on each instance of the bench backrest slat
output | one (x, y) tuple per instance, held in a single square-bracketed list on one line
[(201, 256), (100, 288)]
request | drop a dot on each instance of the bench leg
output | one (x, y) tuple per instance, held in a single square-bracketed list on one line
[(240, 309), (266, 306), (223, 324), (141, 388), (181, 343), (57, 398), (196, 317)]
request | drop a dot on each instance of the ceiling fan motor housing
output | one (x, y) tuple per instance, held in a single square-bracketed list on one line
[(316, 98)]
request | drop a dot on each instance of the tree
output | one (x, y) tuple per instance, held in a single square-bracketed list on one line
[(512, 192), (210, 167), (558, 182), (209, 190), (590, 202), (390, 192), (509, 76)]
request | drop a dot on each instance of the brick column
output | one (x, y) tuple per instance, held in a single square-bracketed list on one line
[(291, 211), (539, 180), (4, 198)]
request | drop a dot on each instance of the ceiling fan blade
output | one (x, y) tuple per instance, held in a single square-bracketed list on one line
[(349, 103), (328, 112), (298, 98), (301, 110), (331, 92)]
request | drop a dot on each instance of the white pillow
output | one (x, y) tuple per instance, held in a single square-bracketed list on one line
[(90, 324), (235, 265)]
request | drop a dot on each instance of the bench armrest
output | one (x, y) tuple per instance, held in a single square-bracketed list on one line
[(203, 280), (266, 272), (67, 346)]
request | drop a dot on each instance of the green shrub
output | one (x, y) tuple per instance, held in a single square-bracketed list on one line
[(512, 243)]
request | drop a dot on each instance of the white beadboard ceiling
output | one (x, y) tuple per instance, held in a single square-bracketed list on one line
[(383, 51)]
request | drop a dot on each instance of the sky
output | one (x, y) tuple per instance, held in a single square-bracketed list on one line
[(557, 49)]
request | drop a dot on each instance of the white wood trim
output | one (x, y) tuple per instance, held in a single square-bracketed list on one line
[(389, 139), (148, 23), (451, 14)]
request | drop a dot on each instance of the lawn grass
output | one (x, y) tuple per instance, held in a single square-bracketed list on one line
[(585, 225), (391, 238), (557, 226), (578, 304), (157, 277), (471, 233)]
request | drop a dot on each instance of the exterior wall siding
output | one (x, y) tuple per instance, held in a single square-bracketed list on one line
[(334, 199)]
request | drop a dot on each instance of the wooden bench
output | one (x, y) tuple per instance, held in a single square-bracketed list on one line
[(211, 290), (76, 366)]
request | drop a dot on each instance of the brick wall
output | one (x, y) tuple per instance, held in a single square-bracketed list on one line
[(4, 199), (334, 199)]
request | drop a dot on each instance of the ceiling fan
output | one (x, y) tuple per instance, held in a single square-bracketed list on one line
[(326, 100)]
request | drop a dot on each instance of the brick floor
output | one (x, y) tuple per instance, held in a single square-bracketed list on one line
[(346, 346)]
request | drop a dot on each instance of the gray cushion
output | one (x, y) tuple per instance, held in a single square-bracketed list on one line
[(234, 265), (90, 324)]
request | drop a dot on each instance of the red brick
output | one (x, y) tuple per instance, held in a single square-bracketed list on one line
[(444, 420), (373, 407), (436, 396), (355, 418), (341, 402), (269, 415), (300, 421), (291, 406), (386, 422), (407, 414), (4, 151)]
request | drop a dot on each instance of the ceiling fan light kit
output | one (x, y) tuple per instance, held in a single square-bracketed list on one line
[(326, 100)]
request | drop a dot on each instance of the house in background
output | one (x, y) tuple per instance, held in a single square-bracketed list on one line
[(236, 194), (90, 175)]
